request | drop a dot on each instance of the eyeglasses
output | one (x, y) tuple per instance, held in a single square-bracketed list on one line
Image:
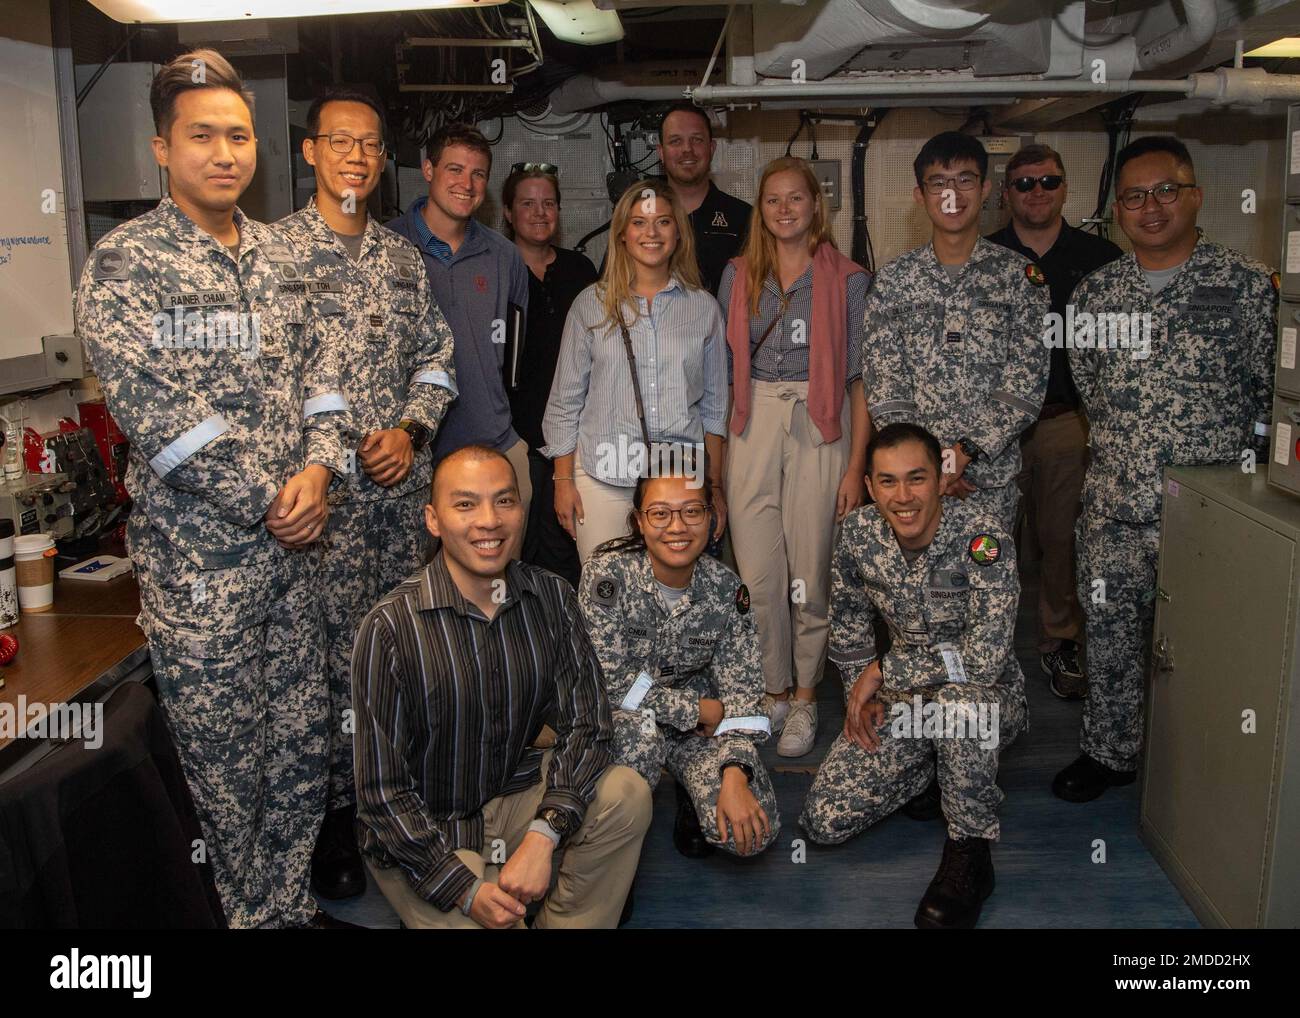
[(345, 143), (550, 168), (692, 514), (1165, 194), (963, 182), (1049, 181)]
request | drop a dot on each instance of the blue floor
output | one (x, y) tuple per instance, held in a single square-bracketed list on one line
[(1045, 874)]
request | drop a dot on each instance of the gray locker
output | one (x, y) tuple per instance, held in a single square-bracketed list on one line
[(1284, 456), (1293, 153), (1291, 251), (1287, 379), (1221, 769)]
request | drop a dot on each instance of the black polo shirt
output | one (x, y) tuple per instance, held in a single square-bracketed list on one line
[(1073, 256), (720, 224), (549, 300)]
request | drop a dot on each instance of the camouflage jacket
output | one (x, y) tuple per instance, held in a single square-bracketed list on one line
[(949, 613), (1201, 393), (214, 372), (706, 647), (393, 344), (963, 358)]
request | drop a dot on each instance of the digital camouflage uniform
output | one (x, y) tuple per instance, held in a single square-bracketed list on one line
[(963, 358), (217, 424), (378, 318), (959, 596), (707, 647), (1201, 396)]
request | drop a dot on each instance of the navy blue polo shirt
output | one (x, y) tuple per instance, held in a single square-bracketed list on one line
[(473, 288)]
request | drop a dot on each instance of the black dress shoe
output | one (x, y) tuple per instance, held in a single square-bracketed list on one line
[(322, 920), (926, 806), (1085, 779), (337, 871), (626, 914), (687, 836), (956, 894)]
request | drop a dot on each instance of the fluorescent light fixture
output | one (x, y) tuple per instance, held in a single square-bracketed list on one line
[(177, 11), (1287, 47), (579, 21)]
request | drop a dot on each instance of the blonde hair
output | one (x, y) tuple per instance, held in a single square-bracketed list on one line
[(760, 245), (620, 270)]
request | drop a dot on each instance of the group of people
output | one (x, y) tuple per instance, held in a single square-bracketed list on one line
[(412, 617)]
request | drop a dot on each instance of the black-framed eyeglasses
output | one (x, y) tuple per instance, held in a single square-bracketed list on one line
[(550, 168), (1049, 182), (962, 182), (345, 143), (1165, 194), (692, 514)]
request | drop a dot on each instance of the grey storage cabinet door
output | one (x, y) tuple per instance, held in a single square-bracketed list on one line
[(1220, 645)]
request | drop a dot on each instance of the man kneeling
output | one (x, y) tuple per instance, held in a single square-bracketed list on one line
[(949, 691), (454, 674)]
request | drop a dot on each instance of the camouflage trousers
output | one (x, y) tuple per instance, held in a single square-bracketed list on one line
[(1120, 616), (370, 547), (238, 657), (854, 789), (1001, 503), (648, 747)]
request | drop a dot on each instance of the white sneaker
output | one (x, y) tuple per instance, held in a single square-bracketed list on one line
[(777, 711), (800, 729)]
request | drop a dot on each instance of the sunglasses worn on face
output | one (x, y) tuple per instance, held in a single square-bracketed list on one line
[(1050, 182)]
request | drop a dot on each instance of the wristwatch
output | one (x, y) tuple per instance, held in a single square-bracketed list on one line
[(557, 820), (747, 770), (972, 451), (418, 432)]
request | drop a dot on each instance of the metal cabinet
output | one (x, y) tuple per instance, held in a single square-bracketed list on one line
[(1221, 770)]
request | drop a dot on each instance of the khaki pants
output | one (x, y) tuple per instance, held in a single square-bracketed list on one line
[(604, 510), (594, 871), (782, 479), (517, 454), (1054, 455)]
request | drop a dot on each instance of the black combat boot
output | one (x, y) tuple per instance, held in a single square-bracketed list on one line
[(687, 836), (337, 871), (956, 894), (1086, 778), (926, 806)]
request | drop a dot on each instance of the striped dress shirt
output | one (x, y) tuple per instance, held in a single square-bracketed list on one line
[(447, 705), (784, 356), (679, 341)]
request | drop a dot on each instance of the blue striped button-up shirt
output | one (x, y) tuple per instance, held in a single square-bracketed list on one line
[(679, 341)]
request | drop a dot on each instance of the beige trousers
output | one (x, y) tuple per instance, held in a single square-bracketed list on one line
[(604, 510), (517, 454), (782, 479), (1054, 457), (591, 874)]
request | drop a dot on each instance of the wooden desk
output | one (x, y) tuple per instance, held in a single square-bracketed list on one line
[(84, 645)]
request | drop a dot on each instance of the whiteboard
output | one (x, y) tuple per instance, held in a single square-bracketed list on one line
[(35, 285)]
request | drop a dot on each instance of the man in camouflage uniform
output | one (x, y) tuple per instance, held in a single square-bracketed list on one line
[(665, 670), (942, 575), (953, 333), (371, 297), (1196, 387), (196, 321)]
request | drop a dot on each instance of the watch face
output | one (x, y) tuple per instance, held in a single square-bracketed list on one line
[(559, 821)]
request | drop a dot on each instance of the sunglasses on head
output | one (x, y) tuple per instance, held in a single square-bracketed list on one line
[(1050, 182), (550, 168)]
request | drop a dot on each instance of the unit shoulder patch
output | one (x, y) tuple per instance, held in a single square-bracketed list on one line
[(742, 599), (984, 549), (1035, 274), (111, 263), (605, 591)]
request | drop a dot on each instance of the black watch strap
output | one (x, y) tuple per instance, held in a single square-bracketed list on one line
[(970, 449), (418, 432), (745, 768)]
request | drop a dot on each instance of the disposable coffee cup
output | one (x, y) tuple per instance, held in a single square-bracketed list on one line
[(34, 564)]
